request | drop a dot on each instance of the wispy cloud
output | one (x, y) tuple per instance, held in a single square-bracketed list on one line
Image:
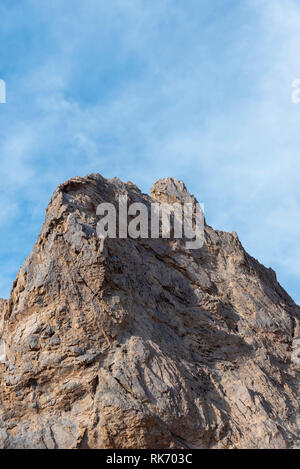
[(196, 90)]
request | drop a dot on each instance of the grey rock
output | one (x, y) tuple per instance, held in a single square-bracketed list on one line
[(146, 344)]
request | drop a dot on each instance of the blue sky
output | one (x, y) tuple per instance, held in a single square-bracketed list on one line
[(140, 89)]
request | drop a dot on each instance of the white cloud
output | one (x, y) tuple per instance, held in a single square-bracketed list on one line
[(210, 104)]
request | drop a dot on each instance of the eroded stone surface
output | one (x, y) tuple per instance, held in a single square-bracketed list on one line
[(146, 344)]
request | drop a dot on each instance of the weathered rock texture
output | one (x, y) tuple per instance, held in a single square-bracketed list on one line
[(146, 345)]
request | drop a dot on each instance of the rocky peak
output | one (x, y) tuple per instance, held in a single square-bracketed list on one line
[(144, 344), (171, 190)]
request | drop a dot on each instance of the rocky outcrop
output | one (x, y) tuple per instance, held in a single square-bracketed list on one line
[(144, 344)]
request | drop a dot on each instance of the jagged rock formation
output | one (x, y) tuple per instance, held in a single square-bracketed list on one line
[(146, 344)]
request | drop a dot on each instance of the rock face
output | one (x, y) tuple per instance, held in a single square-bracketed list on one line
[(146, 344)]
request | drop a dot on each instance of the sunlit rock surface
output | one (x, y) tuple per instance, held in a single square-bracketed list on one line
[(146, 344)]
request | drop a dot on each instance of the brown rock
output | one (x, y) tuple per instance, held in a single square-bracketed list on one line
[(146, 344)]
